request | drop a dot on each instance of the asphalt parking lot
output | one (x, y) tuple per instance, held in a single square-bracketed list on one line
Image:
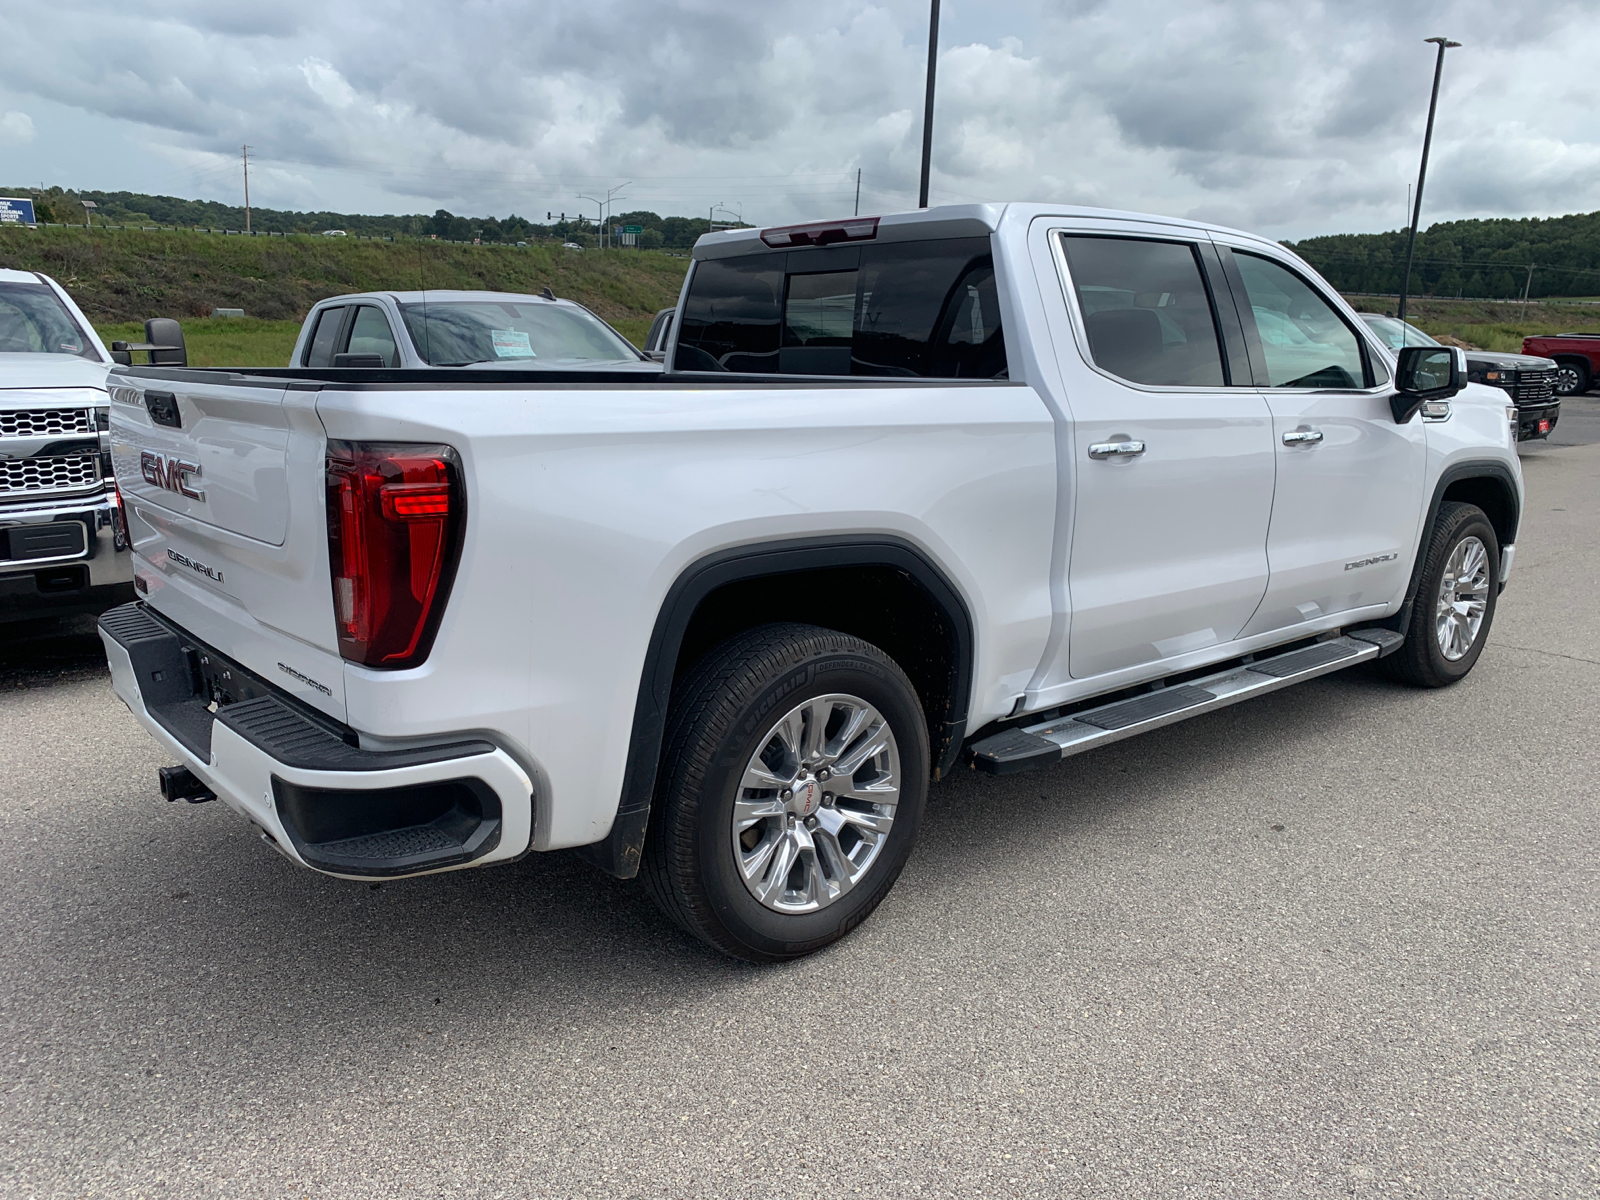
[(1340, 942)]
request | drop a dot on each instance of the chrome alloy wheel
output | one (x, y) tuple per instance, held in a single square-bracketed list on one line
[(1568, 380), (816, 803), (1463, 597)]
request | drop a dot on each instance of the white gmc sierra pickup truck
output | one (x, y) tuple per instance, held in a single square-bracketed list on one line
[(1008, 482), (62, 545)]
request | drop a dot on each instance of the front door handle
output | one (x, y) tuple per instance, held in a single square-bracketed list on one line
[(1116, 449), (1302, 437)]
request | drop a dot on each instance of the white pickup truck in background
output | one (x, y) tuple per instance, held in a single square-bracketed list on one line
[(417, 330), (62, 546), (1008, 481)]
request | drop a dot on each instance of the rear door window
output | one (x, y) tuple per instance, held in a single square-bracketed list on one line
[(1305, 343), (325, 338), (1146, 310), (923, 309), (370, 334), (731, 320)]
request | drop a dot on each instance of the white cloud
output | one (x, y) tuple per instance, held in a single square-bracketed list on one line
[(327, 83), (15, 128), (1288, 116)]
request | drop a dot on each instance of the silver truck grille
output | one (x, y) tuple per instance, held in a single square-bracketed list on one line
[(46, 422), (1535, 387), (43, 476)]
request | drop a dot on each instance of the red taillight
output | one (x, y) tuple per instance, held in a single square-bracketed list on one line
[(822, 233), (394, 532)]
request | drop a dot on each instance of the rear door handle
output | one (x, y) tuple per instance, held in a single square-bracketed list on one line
[(1302, 437), (1116, 449)]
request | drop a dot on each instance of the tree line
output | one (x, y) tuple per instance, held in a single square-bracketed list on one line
[(65, 206), (1487, 259)]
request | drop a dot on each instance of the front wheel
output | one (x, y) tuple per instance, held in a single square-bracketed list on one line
[(1572, 378), (791, 788), (1454, 604)]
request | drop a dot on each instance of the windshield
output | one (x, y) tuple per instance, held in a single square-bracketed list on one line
[(34, 321), (530, 332), (1397, 334)]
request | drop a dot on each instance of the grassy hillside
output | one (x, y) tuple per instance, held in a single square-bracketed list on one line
[(220, 343), (1487, 325), (127, 275)]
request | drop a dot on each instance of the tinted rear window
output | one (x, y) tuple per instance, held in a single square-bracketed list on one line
[(322, 349), (924, 309)]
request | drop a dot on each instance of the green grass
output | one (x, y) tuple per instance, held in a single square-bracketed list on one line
[(126, 275), (247, 342), (1489, 324), (222, 342)]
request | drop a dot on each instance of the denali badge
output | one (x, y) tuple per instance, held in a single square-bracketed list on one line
[(172, 474), (1367, 562), (198, 568)]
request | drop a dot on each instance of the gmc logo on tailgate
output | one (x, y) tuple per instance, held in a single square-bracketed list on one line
[(172, 474)]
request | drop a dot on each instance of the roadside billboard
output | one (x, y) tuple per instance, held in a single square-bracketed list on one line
[(16, 212)]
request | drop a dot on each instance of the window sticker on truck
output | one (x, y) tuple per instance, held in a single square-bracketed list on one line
[(511, 343)]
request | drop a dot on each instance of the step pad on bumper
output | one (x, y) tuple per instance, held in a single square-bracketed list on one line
[(164, 659), (1050, 741)]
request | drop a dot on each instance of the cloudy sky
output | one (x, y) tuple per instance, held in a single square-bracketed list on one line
[(1287, 118)]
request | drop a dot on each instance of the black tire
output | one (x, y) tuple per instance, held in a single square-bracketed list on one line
[(1573, 377), (1421, 661), (719, 718)]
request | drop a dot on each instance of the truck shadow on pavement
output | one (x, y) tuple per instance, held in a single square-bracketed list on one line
[(176, 919)]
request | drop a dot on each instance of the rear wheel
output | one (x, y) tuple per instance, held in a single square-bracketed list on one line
[(790, 791), (1572, 377), (1455, 600)]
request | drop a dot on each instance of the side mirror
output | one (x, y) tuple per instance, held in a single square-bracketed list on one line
[(1424, 374), (164, 337)]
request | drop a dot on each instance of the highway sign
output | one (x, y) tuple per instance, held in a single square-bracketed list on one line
[(16, 212)]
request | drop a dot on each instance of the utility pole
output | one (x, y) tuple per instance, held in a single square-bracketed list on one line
[(927, 107), (858, 191), (1422, 172), (1527, 287), (244, 152)]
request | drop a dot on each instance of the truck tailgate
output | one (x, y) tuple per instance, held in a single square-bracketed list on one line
[(223, 485)]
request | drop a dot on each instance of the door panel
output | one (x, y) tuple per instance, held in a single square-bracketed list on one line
[(1345, 514), (1347, 504), (1169, 542)]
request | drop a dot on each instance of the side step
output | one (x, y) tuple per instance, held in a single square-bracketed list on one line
[(1051, 741)]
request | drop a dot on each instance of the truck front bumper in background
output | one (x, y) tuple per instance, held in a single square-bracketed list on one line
[(62, 556), (1537, 420), (302, 778)]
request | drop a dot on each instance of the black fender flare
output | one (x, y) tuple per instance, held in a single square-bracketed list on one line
[(1486, 468), (620, 852)]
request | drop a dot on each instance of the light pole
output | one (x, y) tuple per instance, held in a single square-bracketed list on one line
[(927, 105), (605, 207), (1422, 172)]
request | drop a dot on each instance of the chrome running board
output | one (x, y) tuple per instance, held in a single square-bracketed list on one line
[(1051, 741)]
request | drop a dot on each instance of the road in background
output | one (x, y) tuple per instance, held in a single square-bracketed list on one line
[(1340, 943)]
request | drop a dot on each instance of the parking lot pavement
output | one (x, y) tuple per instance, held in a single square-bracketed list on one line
[(1337, 943), (1579, 424)]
